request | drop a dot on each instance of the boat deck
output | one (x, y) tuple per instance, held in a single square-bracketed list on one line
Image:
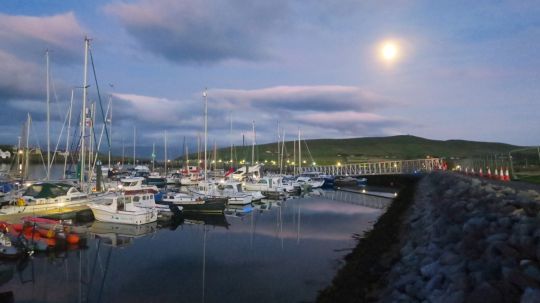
[(64, 211)]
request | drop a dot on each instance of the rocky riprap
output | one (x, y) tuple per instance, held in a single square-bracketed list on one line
[(468, 240)]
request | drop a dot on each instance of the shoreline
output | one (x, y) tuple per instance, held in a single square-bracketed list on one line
[(376, 251)]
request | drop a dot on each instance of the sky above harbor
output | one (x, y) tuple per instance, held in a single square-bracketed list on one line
[(464, 70)]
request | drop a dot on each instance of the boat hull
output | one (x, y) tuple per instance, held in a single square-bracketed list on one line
[(124, 217), (209, 206)]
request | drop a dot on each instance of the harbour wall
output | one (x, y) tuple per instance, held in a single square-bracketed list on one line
[(448, 238)]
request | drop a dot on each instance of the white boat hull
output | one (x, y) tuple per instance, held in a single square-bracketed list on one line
[(124, 217), (240, 200)]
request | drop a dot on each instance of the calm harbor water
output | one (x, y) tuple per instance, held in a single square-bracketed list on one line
[(281, 251)]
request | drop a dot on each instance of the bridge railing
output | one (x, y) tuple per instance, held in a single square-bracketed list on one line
[(393, 167)]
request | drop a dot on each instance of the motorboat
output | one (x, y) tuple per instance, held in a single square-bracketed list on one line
[(174, 179), (156, 179), (134, 185), (269, 185), (192, 178), (141, 195), (121, 209), (232, 191), (316, 177), (194, 203), (44, 196), (313, 182)]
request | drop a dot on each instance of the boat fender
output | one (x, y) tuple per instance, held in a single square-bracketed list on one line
[(4, 227), (21, 202), (72, 238)]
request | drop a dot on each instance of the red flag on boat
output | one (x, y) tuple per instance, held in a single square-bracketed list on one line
[(230, 171)]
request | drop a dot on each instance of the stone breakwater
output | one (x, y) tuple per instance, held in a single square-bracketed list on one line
[(467, 240)]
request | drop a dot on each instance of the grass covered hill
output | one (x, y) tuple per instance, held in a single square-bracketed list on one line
[(325, 151)]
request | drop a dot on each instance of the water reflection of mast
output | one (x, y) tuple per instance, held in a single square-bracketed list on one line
[(298, 226), (204, 263)]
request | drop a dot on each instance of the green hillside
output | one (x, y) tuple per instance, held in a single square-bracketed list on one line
[(326, 151)]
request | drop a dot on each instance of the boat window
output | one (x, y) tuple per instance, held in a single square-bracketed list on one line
[(136, 199), (262, 181), (151, 196), (229, 187), (238, 187), (33, 190), (120, 204)]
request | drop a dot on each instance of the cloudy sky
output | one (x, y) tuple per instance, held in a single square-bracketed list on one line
[(465, 69)]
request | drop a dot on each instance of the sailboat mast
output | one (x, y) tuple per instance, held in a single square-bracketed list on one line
[(27, 158), (253, 144), (48, 120), (110, 129), (215, 155), (134, 142), (278, 139), (123, 151), (230, 135), (68, 132), (294, 156), (282, 153), (198, 150), (187, 158), (165, 152), (299, 153), (83, 116), (153, 155), (205, 95)]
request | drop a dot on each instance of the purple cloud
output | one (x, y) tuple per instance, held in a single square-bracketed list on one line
[(301, 98), (29, 36), (202, 31)]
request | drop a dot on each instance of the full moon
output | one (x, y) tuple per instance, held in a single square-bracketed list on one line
[(389, 51)]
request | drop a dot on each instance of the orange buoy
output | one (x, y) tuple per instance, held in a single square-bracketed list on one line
[(488, 173), (17, 226), (72, 239), (50, 241), (47, 233)]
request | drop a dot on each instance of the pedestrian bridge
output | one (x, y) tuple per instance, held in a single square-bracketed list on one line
[(395, 167)]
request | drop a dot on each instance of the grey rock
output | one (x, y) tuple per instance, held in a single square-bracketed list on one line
[(453, 297), (485, 293), (505, 222), (508, 191), (474, 223), (497, 237), (405, 280), (519, 279), (531, 295), (474, 265), (449, 258), (475, 182), (502, 249), (532, 271), (434, 283), (430, 270)]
